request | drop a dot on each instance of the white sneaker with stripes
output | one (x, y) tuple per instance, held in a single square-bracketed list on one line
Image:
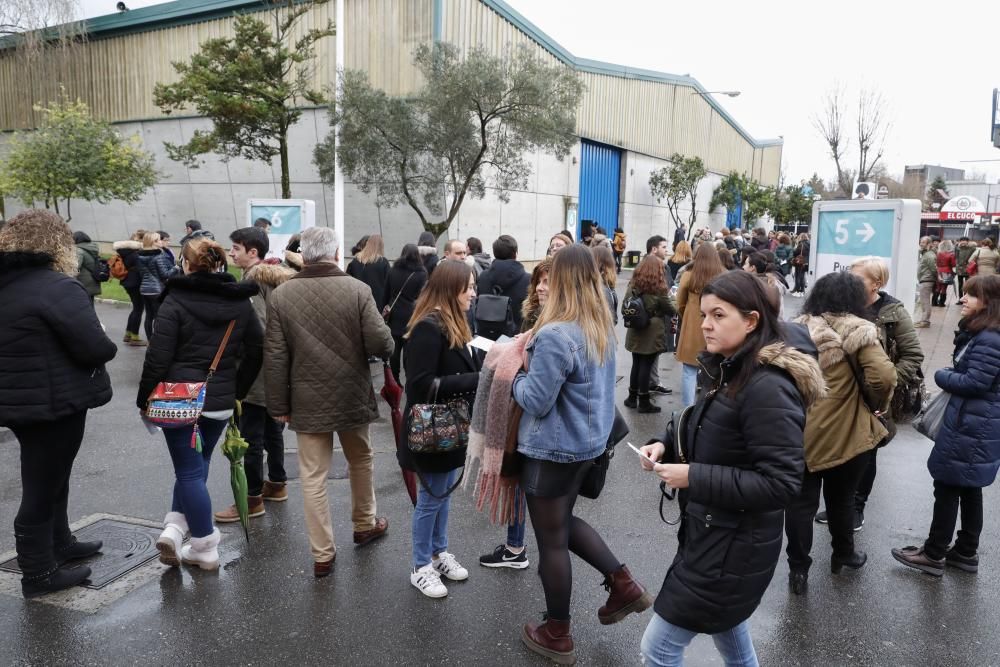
[(428, 582), (447, 565)]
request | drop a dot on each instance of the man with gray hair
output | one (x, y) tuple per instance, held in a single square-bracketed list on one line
[(926, 278), (322, 326)]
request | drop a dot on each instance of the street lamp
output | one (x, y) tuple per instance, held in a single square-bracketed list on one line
[(727, 93)]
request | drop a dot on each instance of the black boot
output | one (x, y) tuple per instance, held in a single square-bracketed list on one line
[(630, 402), (40, 572), (646, 405), (798, 582), (77, 550), (854, 561)]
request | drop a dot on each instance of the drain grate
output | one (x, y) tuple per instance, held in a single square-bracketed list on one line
[(126, 547)]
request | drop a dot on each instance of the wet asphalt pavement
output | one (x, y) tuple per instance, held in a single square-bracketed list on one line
[(264, 607)]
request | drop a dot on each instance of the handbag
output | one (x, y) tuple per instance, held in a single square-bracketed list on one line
[(179, 404), (909, 398), (438, 428), (593, 481), (387, 311), (929, 420), (675, 452)]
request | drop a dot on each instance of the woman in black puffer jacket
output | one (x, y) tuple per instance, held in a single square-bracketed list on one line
[(190, 326), (742, 465), (52, 355)]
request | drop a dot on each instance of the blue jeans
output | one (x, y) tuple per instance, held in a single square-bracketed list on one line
[(663, 644), (689, 384), (515, 531), (191, 470), (430, 517)]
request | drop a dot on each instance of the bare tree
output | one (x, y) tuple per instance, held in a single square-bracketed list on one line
[(32, 23), (872, 126), (830, 125)]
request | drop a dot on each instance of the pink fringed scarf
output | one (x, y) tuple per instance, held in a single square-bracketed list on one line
[(493, 433)]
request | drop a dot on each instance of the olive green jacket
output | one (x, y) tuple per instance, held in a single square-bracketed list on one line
[(650, 340), (899, 338), (927, 267)]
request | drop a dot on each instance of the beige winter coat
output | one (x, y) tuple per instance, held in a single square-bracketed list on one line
[(840, 426), (690, 340), (322, 325)]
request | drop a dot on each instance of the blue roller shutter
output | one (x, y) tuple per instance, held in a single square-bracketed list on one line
[(600, 175)]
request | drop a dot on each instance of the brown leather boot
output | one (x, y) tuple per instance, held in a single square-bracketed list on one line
[(274, 491), (550, 638), (255, 505), (626, 596)]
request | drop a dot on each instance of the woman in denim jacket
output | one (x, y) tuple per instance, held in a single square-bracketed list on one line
[(567, 397)]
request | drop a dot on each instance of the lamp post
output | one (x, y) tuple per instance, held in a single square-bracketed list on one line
[(727, 93)]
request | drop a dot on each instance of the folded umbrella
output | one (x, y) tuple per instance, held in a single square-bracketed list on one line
[(235, 447), (392, 392)]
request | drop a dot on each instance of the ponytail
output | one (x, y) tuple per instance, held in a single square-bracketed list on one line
[(204, 255)]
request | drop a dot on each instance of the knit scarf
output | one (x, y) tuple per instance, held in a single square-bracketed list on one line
[(493, 433)]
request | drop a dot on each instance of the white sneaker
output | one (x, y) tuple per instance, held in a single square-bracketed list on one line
[(428, 582), (449, 566)]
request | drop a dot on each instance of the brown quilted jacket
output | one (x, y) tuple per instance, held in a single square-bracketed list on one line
[(322, 325)]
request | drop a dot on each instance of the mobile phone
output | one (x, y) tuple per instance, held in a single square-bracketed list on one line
[(639, 452)]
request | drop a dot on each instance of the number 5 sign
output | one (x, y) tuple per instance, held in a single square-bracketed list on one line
[(844, 231)]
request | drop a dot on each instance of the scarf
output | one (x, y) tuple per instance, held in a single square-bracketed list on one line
[(493, 432)]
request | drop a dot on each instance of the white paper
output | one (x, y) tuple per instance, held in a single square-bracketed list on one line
[(482, 343)]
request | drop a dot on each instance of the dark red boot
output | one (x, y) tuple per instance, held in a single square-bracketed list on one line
[(626, 596), (551, 639)]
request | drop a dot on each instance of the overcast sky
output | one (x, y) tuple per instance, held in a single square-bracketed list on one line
[(936, 69)]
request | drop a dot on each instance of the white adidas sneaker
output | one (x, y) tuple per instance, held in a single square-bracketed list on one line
[(428, 582)]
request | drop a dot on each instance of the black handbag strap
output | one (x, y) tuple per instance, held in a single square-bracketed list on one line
[(428, 489), (400, 293), (860, 380)]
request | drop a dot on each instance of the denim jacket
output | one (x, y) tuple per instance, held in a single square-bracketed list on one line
[(568, 399)]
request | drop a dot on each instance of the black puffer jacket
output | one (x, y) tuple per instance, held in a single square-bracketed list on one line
[(52, 346), (190, 325), (507, 277), (747, 462)]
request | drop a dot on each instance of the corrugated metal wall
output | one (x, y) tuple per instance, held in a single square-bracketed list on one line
[(115, 76), (600, 179)]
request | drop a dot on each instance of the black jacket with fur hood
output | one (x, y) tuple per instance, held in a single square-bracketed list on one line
[(746, 465), (52, 346), (195, 312)]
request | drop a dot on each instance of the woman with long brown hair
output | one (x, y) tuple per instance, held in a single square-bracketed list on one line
[(966, 453), (567, 396), (440, 366), (690, 343), (372, 268), (609, 276), (645, 344)]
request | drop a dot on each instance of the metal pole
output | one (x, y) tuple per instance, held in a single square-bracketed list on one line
[(338, 177)]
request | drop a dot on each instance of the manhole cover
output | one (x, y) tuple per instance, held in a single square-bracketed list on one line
[(126, 547)]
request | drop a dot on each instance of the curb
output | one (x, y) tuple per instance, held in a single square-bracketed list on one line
[(113, 302)]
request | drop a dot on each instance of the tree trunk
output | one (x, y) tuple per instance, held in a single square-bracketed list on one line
[(69, 213), (286, 186)]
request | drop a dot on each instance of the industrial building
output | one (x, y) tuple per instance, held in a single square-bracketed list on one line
[(628, 122)]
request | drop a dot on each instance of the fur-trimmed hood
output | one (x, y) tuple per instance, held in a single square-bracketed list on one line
[(839, 335), (126, 245), (270, 275), (803, 368), (294, 260)]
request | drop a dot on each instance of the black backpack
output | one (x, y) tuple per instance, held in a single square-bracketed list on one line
[(102, 270), (634, 313), (493, 317)]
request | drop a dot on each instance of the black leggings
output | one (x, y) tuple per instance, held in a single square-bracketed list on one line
[(152, 304), (800, 279), (642, 366), (557, 533), (134, 317), (48, 450)]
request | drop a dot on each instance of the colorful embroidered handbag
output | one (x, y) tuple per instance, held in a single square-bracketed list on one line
[(438, 428), (179, 404)]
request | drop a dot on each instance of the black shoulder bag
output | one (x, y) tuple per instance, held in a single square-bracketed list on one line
[(593, 482)]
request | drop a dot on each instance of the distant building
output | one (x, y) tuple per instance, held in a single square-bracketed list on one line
[(920, 176)]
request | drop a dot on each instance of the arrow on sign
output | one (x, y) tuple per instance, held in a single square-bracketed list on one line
[(867, 233)]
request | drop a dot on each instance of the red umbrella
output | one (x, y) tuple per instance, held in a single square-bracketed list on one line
[(392, 392)]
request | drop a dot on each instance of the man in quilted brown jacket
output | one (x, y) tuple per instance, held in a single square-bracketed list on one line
[(322, 326)]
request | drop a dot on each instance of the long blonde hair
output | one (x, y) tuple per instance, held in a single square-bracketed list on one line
[(576, 294), (373, 250), (440, 296)]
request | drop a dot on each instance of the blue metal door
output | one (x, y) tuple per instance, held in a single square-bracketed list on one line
[(600, 175)]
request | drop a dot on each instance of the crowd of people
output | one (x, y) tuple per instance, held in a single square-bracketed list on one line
[(775, 412)]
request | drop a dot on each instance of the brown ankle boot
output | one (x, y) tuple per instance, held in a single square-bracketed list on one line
[(626, 596), (551, 638)]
